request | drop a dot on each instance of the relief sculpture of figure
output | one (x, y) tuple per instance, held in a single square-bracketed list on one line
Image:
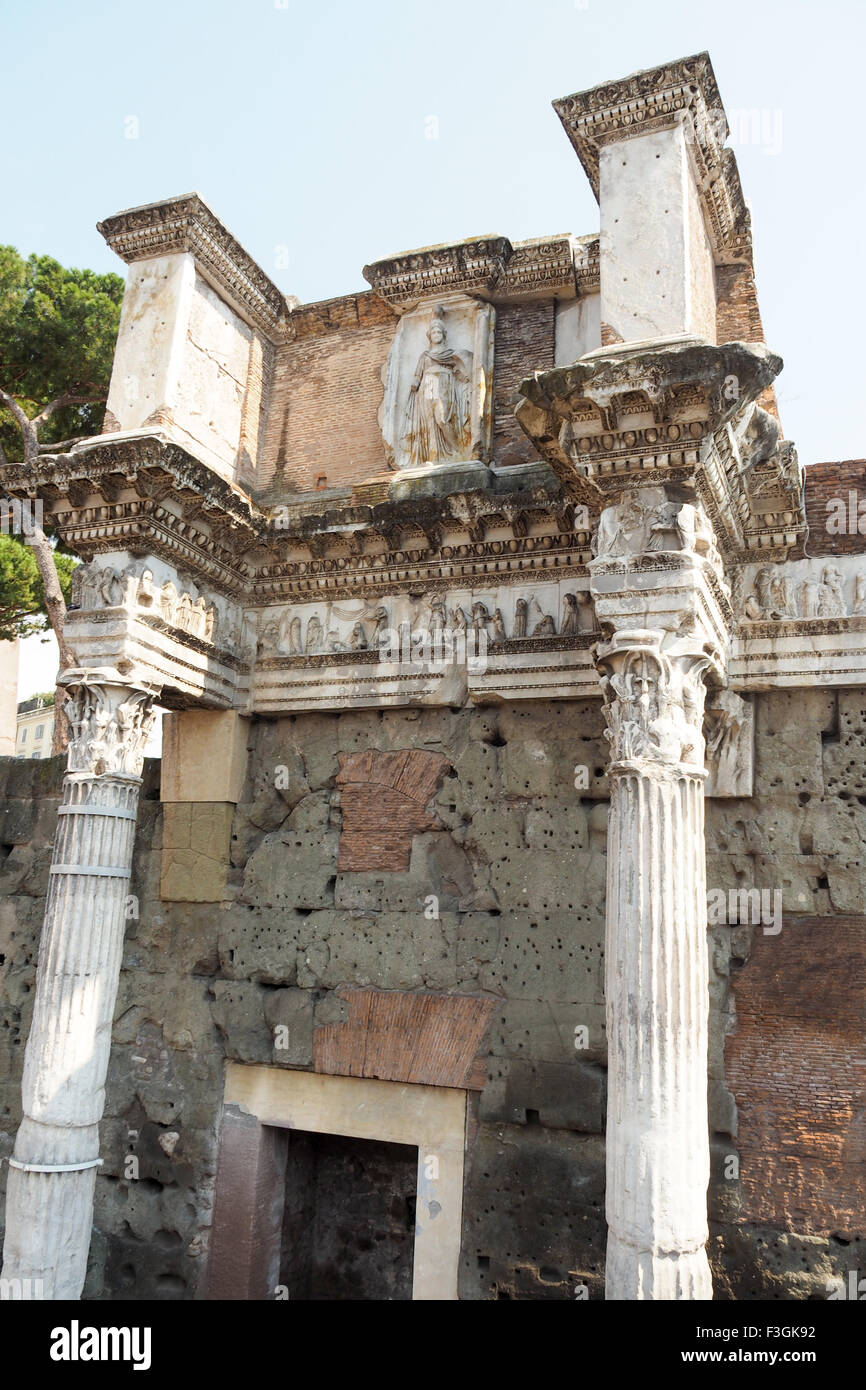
[(85, 586), (810, 597), (570, 621), (665, 530), (480, 617), (438, 414), (168, 601), (438, 614), (315, 635), (831, 603), (860, 595)]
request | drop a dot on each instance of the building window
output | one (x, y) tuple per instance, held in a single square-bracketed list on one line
[(40, 730), (37, 753), (24, 735)]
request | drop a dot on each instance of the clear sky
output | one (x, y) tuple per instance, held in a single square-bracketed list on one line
[(331, 133)]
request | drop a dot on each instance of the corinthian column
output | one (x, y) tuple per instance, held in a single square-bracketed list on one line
[(49, 1204), (657, 608)]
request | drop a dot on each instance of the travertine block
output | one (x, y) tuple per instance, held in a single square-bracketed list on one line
[(195, 848), (204, 756)]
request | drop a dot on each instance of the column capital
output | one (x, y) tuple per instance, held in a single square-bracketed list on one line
[(110, 718)]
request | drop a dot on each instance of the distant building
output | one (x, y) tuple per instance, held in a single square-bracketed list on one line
[(35, 727)]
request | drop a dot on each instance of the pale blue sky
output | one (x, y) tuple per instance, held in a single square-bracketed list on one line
[(306, 127)]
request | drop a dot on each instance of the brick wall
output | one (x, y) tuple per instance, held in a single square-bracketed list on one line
[(524, 343), (738, 318), (797, 1066), (836, 480), (327, 390)]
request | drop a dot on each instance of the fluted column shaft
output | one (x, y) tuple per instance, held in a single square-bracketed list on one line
[(657, 1011), (662, 603), (49, 1203)]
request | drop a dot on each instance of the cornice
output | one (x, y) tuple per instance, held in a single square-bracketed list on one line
[(148, 496), (474, 266), (684, 90), (188, 224), (489, 268)]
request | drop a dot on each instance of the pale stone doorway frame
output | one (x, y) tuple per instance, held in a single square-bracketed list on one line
[(431, 1118)]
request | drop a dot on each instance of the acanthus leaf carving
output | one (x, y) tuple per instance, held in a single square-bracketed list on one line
[(110, 721)]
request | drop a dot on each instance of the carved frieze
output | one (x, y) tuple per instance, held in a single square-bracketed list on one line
[(380, 631), (802, 590), (97, 586)]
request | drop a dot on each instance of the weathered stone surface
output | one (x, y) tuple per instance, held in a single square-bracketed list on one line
[(560, 1095), (195, 848), (202, 981)]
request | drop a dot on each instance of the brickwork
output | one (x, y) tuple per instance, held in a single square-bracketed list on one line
[(384, 798), (738, 317), (524, 343), (826, 481), (327, 389), (796, 1065)]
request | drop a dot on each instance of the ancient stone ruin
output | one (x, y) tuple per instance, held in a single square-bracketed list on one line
[(494, 924)]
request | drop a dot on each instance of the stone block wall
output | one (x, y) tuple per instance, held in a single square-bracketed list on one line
[(496, 894)]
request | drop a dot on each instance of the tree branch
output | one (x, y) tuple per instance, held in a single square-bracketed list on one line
[(68, 398), (59, 445), (24, 423)]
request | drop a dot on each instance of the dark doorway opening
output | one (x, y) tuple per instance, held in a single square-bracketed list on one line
[(349, 1223)]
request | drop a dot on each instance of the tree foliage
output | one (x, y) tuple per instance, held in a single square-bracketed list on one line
[(57, 333), (22, 595)]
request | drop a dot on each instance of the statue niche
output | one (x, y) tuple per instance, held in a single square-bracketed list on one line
[(437, 408), (438, 415)]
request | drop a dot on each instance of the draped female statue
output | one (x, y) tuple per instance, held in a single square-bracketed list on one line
[(438, 413)]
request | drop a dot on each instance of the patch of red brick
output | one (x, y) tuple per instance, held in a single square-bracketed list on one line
[(385, 801), (426, 1039), (835, 482), (797, 1068)]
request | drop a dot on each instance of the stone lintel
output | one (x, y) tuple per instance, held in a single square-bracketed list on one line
[(187, 224), (680, 92)]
